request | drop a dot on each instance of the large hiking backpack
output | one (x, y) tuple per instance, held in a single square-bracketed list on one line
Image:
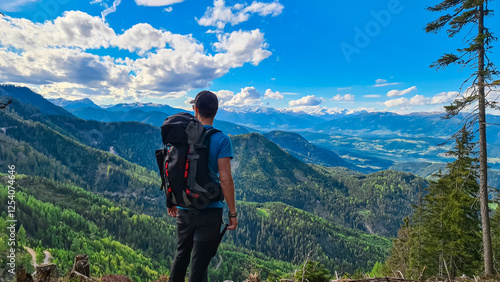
[(183, 163)]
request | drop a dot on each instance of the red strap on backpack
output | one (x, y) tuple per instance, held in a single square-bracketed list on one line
[(187, 165), (166, 172)]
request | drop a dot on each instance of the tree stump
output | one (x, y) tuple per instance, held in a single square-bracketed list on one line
[(22, 276), (82, 265), (45, 272)]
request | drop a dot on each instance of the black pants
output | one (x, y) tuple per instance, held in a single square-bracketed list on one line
[(198, 232)]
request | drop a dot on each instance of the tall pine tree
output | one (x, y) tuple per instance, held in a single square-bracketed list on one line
[(444, 231), (459, 14)]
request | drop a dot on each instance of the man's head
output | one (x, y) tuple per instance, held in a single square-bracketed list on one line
[(205, 104)]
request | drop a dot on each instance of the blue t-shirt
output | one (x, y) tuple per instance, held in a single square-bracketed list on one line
[(220, 147)]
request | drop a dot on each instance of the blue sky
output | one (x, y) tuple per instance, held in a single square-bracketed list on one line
[(318, 57)]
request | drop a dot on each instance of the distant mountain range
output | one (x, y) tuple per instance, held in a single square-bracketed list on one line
[(75, 104), (366, 141), (260, 118), (362, 123), (148, 113)]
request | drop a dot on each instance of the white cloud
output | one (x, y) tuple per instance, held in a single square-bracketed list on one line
[(265, 9), (371, 96), (444, 97), (419, 100), (493, 95), (273, 95), (383, 82), (168, 9), (110, 10), (346, 97), (219, 15), (394, 93), (224, 96), (309, 100), (386, 84), (143, 37), (55, 52), (396, 102), (187, 104), (344, 88), (240, 47), (247, 97), (46, 66), (73, 29), (71, 91), (157, 3)]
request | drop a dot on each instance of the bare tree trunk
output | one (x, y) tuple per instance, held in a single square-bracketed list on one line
[(483, 161), (305, 263)]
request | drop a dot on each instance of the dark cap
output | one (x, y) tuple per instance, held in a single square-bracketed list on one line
[(207, 103)]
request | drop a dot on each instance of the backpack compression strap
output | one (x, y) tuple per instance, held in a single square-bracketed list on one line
[(191, 166), (211, 131)]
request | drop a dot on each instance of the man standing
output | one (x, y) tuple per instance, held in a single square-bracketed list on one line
[(198, 231)]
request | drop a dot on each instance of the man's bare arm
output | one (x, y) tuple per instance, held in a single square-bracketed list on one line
[(227, 185)]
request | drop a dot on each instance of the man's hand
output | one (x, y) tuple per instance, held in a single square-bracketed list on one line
[(172, 211), (233, 223)]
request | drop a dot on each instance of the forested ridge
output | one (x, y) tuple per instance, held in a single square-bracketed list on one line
[(374, 203), (96, 170), (300, 148)]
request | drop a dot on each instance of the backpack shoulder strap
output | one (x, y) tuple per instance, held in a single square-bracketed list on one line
[(206, 134), (212, 130)]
